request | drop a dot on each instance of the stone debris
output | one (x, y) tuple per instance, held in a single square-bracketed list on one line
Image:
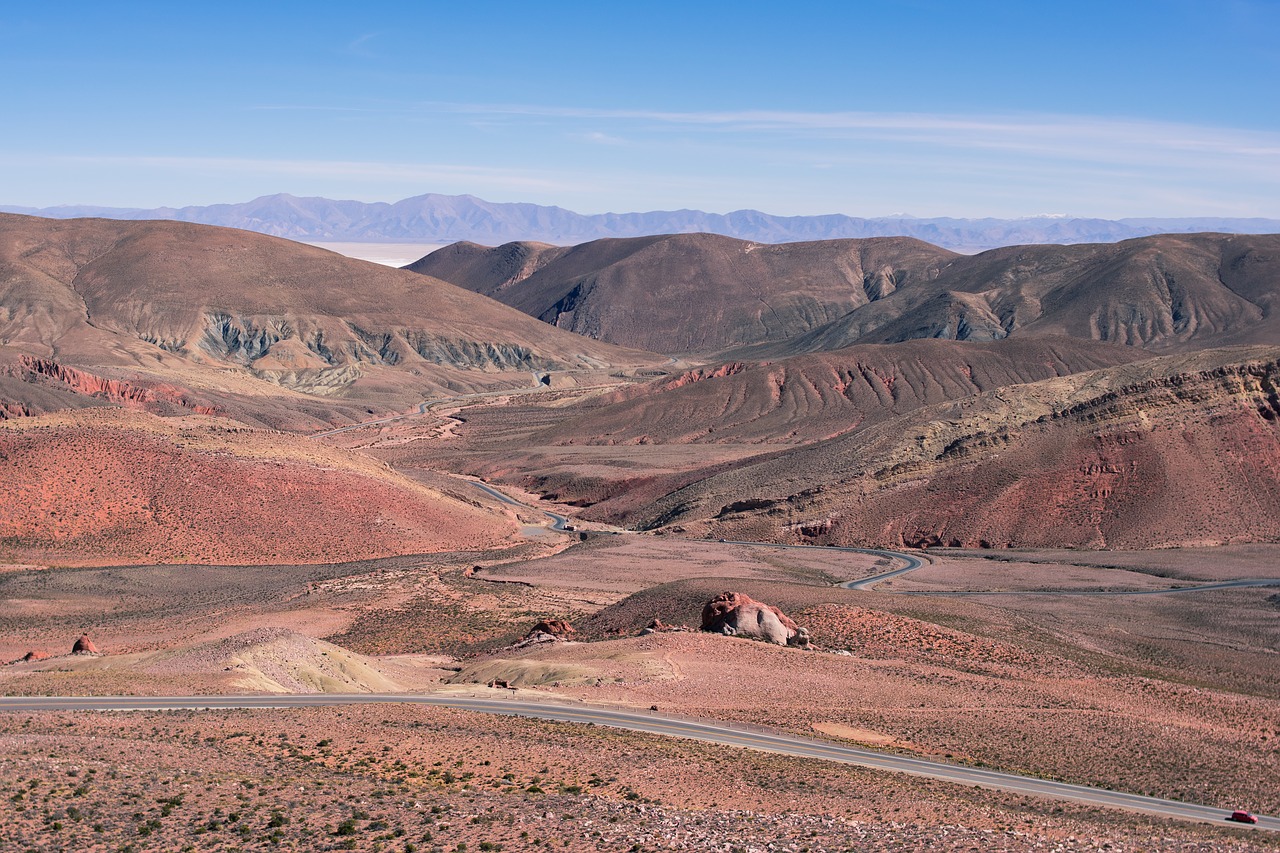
[(657, 626)]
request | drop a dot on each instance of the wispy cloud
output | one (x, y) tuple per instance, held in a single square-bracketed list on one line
[(1070, 136), (360, 46), (1050, 135), (598, 138)]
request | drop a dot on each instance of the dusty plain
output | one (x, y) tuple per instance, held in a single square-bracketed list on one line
[(1115, 691)]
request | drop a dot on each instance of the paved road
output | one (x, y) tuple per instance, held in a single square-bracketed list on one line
[(1207, 587), (912, 562), (703, 730), (558, 522)]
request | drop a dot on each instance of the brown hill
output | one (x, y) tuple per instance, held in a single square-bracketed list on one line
[(698, 293), (1179, 450), (1165, 293), (167, 301), (812, 397), (688, 293), (107, 486)]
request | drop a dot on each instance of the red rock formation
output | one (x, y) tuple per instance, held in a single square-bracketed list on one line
[(9, 409), (116, 390), (84, 646), (35, 655), (738, 614), (554, 627)]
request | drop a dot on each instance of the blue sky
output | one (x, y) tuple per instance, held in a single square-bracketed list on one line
[(1138, 108)]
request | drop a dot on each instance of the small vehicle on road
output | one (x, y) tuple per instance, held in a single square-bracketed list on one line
[(1242, 816)]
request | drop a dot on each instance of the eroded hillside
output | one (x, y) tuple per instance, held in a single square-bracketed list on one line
[(1181, 450)]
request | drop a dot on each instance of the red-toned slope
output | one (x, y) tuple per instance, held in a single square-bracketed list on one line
[(812, 397), (104, 486), (1181, 450)]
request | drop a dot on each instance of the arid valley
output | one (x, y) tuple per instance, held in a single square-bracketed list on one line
[(1014, 511)]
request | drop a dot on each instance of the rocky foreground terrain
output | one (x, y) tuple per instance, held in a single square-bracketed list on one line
[(321, 780), (1116, 692)]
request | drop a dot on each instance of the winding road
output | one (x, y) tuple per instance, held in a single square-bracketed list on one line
[(912, 562), (702, 730), (559, 523), (708, 730)]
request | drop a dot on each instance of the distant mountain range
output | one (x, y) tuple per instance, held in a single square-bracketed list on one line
[(436, 218)]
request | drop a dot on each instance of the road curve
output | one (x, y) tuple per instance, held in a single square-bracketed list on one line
[(558, 522), (703, 730), (912, 562), (1245, 583)]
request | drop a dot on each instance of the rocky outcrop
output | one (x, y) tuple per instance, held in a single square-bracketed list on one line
[(153, 398), (84, 646), (737, 614), (34, 655), (555, 627)]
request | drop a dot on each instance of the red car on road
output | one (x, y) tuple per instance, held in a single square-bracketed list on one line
[(1242, 816)]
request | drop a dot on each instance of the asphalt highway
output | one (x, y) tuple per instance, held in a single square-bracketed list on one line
[(703, 730), (558, 522), (911, 563), (1205, 587)]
